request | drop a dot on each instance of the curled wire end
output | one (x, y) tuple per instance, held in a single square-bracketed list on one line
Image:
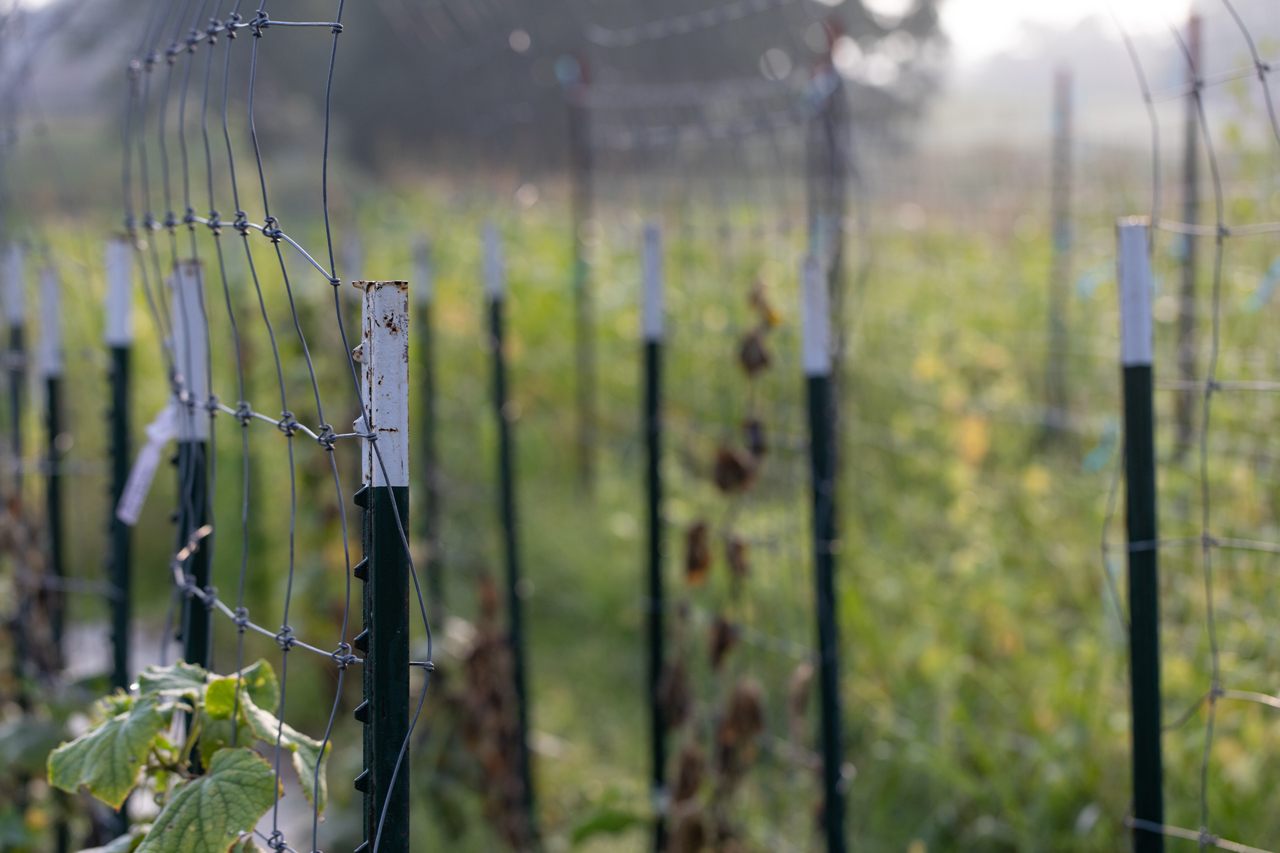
[(342, 656), (424, 665), (326, 437)]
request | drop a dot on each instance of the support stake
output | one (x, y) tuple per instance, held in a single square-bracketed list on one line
[(817, 367), (384, 642), (495, 282), (1136, 286)]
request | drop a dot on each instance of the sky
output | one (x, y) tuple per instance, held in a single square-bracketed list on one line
[(982, 28)]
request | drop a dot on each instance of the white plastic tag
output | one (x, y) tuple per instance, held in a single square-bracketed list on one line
[(159, 433)]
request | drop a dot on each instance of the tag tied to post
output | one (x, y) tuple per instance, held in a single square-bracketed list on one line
[(160, 432)]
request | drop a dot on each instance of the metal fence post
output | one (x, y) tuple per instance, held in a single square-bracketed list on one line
[(424, 290), (1134, 276), (119, 340), (817, 352), (49, 363), (652, 331), (191, 357), (15, 318), (384, 642), (495, 283)]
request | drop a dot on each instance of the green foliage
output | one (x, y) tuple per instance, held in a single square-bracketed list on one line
[(209, 814), (212, 786)]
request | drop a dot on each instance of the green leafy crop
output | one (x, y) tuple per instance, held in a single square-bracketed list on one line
[(211, 785)]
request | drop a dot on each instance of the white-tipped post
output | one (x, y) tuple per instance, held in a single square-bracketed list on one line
[(652, 321), (424, 273), (495, 266), (15, 271), (1133, 236), (191, 349), (49, 351), (119, 266), (384, 357), (815, 316)]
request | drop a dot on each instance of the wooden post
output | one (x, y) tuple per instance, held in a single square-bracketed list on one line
[(384, 357), (1136, 286), (817, 344), (1185, 401), (424, 291), (1057, 400), (581, 163)]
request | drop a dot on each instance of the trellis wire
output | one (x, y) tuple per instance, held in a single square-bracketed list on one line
[(1209, 542), (230, 24)]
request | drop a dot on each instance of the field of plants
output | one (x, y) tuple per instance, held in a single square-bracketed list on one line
[(980, 560)]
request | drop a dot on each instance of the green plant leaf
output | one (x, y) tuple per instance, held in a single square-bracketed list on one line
[(220, 698), (305, 750), (209, 814), (106, 759), (258, 679), (180, 681)]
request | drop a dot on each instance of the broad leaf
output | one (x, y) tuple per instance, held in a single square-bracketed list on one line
[(220, 698), (178, 680), (106, 759), (259, 681), (209, 814), (182, 680), (305, 750)]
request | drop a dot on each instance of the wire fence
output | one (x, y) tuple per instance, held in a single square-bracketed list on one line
[(968, 680)]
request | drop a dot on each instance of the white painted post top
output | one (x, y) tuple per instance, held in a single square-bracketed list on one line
[(652, 320), (190, 349), (49, 360), (424, 272), (1133, 265), (119, 267), (384, 363), (15, 273), (495, 266), (815, 320)]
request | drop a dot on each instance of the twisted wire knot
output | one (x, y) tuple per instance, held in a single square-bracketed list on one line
[(260, 22), (287, 424), (244, 413), (233, 23), (285, 638), (215, 222), (189, 218), (212, 404), (271, 229), (326, 437), (241, 619), (241, 223), (342, 656), (277, 843)]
